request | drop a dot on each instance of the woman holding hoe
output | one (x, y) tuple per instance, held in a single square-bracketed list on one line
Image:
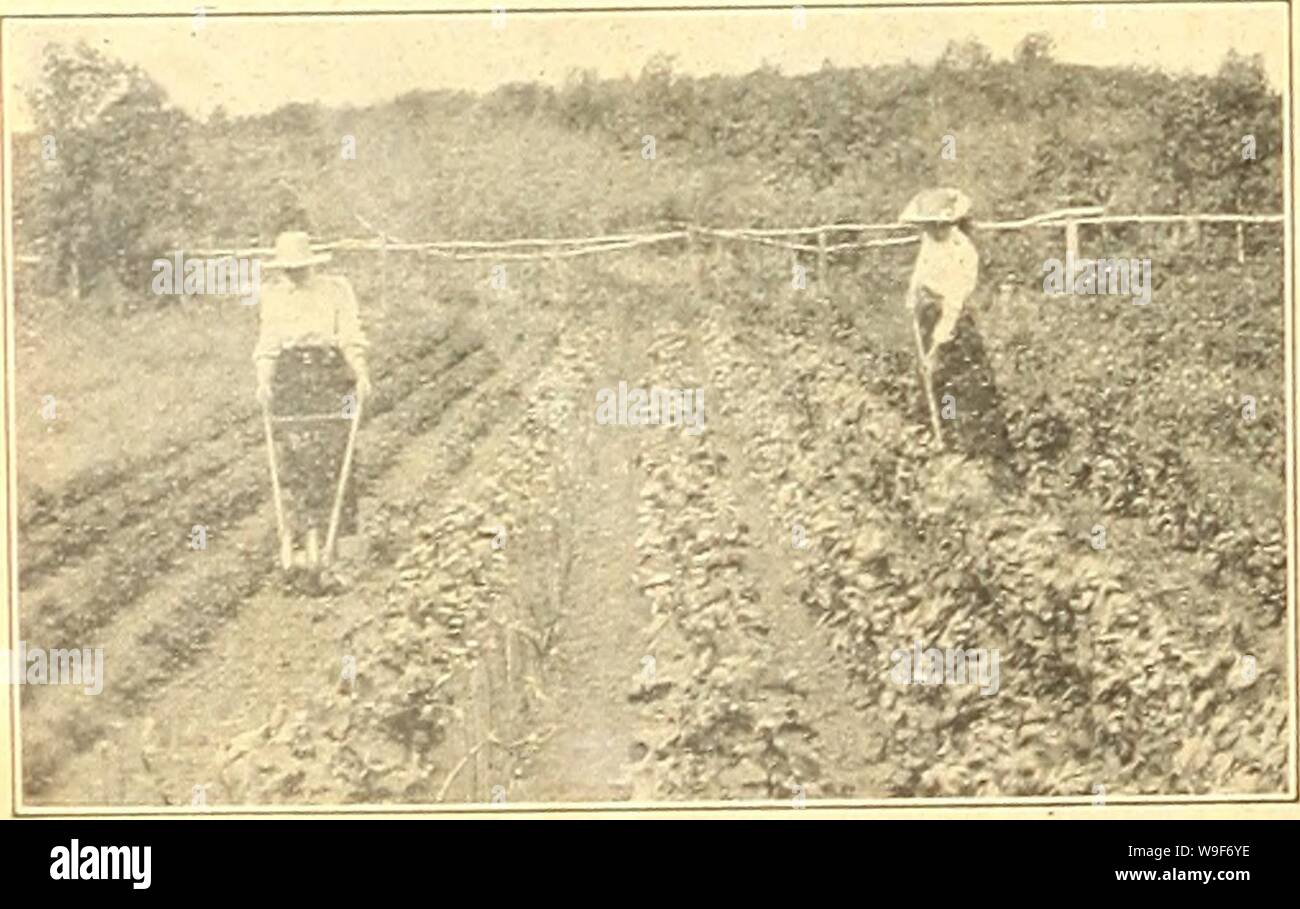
[(960, 394), (312, 381)]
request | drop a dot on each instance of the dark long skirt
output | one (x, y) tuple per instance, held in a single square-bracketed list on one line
[(970, 404), (314, 382)]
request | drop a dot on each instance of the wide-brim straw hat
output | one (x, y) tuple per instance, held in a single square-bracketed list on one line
[(942, 205), (293, 250)]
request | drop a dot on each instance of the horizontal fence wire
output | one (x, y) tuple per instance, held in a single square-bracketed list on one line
[(553, 248)]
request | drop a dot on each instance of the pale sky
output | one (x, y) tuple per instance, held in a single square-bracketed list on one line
[(253, 65)]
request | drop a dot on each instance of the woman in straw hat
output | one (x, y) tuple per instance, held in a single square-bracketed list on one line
[(962, 399), (311, 362)]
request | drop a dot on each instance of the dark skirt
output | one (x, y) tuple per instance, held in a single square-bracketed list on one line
[(978, 425), (314, 382)]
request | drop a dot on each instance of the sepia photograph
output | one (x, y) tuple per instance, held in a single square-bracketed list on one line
[(715, 408)]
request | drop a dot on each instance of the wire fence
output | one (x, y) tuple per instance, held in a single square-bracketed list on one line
[(795, 239), (820, 240)]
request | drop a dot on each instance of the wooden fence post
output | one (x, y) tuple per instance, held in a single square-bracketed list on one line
[(561, 274), (234, 252), (1241, 243), (1071, 240), (693, 248)]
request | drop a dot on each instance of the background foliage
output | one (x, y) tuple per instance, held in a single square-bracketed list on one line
[(134, 176)]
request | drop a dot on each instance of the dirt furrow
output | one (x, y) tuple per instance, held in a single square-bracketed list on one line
[(598, 739)]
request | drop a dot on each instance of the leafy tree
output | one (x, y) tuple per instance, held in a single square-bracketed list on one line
[(1223, 141), (112, 191), (1036, 47), (584, 104), (965, 55)]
